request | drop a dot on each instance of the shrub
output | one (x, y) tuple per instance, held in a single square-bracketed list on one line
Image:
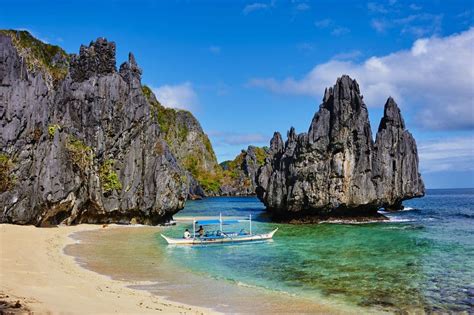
[(52, 130), (109, 179), (80, 154), (7, 180)]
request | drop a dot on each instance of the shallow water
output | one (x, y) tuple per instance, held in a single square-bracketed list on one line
[(421, 260)]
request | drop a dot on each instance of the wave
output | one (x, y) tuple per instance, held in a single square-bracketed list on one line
[(465, 215), (395, 219)]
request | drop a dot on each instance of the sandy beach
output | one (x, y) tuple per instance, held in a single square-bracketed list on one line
[(35, 271)]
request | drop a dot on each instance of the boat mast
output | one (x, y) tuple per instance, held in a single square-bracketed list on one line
[(220, 221), (250, 219)]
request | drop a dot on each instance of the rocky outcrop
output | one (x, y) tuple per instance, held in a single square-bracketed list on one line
[(239, 175), (84, 145), (395, 164), (190, 145), (336, 169)]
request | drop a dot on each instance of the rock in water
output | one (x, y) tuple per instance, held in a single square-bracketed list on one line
[(336, 169), (395, 165), (78, 142)]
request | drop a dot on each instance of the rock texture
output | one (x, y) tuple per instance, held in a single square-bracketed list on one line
[(336, 169), (240, 175), (79, 142), (189, 144)]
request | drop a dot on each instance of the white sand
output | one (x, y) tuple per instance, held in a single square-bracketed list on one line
[(34, 270)]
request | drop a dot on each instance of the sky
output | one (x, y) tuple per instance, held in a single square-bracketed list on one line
[(248, 68)]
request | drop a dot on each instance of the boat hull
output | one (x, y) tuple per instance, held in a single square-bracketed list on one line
[(220, 240)]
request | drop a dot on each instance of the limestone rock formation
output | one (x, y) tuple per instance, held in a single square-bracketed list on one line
[(78, 140), (239, 175), (189, 144), (336, 169)]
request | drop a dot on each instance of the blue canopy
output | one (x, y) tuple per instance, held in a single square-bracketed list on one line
[(217, 221)]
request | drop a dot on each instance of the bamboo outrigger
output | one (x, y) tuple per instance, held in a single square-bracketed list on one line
[(218, 237)]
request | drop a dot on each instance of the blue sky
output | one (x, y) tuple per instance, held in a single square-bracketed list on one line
[(249, 68)]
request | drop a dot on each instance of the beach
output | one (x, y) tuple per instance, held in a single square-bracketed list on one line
[(35, 271)]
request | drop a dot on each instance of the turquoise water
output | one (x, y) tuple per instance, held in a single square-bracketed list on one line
[(422, 260)]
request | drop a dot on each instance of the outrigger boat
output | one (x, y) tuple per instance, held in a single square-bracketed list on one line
[(218, 237)]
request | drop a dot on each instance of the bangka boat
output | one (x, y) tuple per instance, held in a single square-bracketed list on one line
[(219, 236)]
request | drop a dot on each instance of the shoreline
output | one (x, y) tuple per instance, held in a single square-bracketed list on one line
[(163, 277), (35, 271)]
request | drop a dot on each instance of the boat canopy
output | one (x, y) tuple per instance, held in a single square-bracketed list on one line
[(217, 221)]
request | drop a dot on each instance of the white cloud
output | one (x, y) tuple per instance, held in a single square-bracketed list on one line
[(418, 25), (376, 7), (349, 55), (415, 7), (323, 23), (435, 77), (249, 8), (451, 154), (303, 7), (379, 25), (338, 31), (216, 50), (180, 96)]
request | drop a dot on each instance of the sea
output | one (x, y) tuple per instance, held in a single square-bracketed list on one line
[(420, 260)]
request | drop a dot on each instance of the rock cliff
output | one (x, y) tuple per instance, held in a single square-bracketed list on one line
[(239, 175), (336, 169), (189, 144), (78, 139)]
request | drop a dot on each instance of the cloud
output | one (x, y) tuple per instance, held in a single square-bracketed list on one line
[(380, 26), (234, 138), (418, 25), (434, 78), (303, 7), (338, 31), (216, 50), (323, 23), (450, 154), (349, 55), (180, 96), (415, 7), (305, 48), (249, 8), (376, 7)]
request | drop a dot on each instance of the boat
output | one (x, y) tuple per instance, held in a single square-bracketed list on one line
[(219, 236)]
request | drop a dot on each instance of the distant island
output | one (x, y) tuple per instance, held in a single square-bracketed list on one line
[(83, 142)]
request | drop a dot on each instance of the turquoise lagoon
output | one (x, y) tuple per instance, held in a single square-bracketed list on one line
[(421, 260)]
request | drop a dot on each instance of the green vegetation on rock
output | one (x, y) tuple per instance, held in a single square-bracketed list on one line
[(109, 179), (80, 154), (52, 130), (261, 154), (7, 180), (196, 154), (38, 55)]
